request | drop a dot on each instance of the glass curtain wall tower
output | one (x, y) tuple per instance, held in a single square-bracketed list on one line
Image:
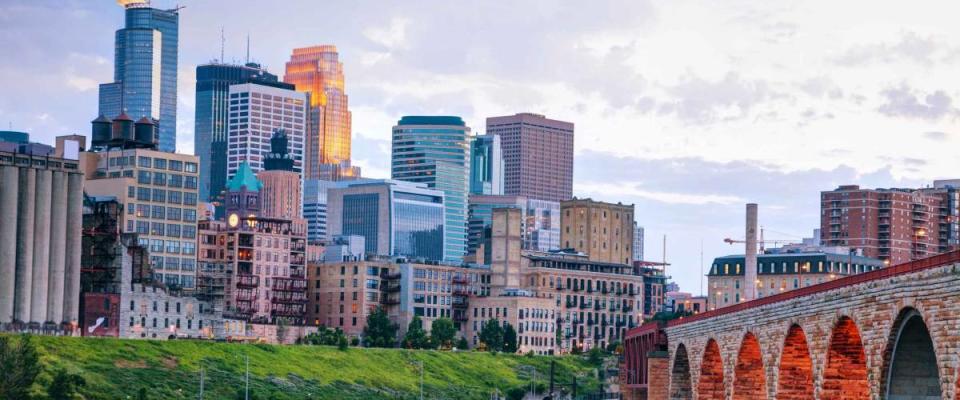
[(212, 112), (318, 72), (486, 165), (145, 70), (435, 150)]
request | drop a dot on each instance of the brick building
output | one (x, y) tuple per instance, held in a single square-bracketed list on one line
[(895, 225)]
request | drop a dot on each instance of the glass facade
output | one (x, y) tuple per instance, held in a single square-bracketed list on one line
[(435, 151), (417, 226), (145, 71), (360, 217), (540, 229), (212, 108), (486, 165)]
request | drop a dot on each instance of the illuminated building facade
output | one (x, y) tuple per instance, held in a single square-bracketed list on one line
[(318, 72), (256, 113)]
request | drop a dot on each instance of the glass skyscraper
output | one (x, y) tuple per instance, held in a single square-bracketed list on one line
[(317, 70), (486, 165), (540, 223), (435, 150), (395, 218), (145, 70), (212, 110)]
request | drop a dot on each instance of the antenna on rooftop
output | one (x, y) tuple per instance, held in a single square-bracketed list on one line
[(248, 47), (223, 41)]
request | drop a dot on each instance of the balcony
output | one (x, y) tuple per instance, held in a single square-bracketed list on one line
[(460, 305), (288, 298), (460, 280), (389, 276), (390, 287), (288, 310), (288, 285), (248, 281), (389, 301), (460, 317), (246, 295)]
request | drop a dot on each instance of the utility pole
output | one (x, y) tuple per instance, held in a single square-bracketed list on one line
[(574, 386), (246, 388), (201, 383), (421, 379), (553, 365), (701, 267)]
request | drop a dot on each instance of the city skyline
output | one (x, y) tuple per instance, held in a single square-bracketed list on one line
[(682, 171)]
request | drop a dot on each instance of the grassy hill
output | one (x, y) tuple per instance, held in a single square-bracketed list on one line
[(118, 369)]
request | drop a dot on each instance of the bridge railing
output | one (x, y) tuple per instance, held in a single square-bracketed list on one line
[(883, 273)]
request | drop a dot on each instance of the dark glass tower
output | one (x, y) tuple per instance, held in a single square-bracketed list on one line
[(212, 111), (145, 70)]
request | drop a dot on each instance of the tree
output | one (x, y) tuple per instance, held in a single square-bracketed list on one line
[(442, 333), (595, 356), (325, 336), (19, 366), (492, 335), (462, 344), (416, 337), (342, 343), (379, 332), (509, 339), (65, 385)]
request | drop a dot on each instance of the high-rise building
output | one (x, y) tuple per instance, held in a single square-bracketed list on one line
[(435, 150), (537, 155), (637, 242), (486, 165), (145, 69), (602, 231), (41, 199), (895, 225), (540, 223), (315, 207), (317, 71), (395, 218), (258, 113), (213, 117)]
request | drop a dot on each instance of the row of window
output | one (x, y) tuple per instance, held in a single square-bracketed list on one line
[(162, 196), (162, 163)]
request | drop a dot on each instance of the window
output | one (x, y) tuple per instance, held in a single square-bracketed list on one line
[(173, 213), (173, 246), (143, 227), (190, 167), (171, 264), (173, 230), (143, 194), (157, 212), (157, 228), (189, 215), (159, 163), (159, 195), (144, 162), (143, 177), (175, 181), (188, 232), (189, 248), (187, 264), (190, 199), (159, 178), (190, 182), (174, 197), (176, 165)]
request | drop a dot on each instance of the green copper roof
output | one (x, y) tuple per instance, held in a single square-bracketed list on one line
[(244, 177)]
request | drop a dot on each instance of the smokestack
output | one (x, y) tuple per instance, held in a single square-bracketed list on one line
[(750, 263)]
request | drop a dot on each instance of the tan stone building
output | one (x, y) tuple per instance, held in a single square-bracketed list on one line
[(602, 231), (159, 193), (534, 319)]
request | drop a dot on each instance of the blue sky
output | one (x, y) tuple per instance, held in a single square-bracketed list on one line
[(688, 109)]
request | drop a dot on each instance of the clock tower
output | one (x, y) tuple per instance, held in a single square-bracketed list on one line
[(243, 202)]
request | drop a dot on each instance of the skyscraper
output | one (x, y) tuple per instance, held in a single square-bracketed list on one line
[(486, 165), (145, 69), (537, 155), (436, 150), (318, 71), (212, 118), (258, 113)]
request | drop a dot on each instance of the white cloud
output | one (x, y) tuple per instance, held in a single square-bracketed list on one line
[(621, 190), (394, 35)]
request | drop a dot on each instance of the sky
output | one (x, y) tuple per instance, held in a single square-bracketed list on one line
[(686, 109)]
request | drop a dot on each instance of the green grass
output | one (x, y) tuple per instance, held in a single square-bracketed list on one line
[(118, 369)]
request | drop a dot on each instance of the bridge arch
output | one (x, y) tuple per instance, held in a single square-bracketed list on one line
[(910, 369), (795, 380), (845, 374), (680, 385), (748, 375), (710, 386)]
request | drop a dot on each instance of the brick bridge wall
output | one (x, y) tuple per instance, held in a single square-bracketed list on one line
[(829, 341)]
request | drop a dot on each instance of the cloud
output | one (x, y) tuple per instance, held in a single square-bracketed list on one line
[(391, 36), (634, 190), (81, 83), (911, 46), (935, 136), (902, 101), (698, 101)]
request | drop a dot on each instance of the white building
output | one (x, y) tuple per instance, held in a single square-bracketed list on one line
[(256, 111)]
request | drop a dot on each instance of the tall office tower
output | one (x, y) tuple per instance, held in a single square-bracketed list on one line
[(637, 242), (212, 118), (486, 165), (41, 199), (315, 194), (145, 69), (602, 231), (260, 111), (895, 225), (436, 150), (281, 195), (395, 218), (318, 71), (537, 155)]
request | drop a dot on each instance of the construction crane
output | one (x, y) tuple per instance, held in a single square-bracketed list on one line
[(761, 241)]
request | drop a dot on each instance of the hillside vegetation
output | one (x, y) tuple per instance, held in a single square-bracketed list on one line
[(121, 369)]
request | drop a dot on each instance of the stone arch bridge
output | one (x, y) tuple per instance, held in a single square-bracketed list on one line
[(891, 334)]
